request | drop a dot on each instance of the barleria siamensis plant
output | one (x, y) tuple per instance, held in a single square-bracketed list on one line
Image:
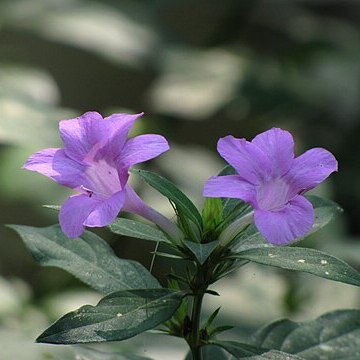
[(255, 210)]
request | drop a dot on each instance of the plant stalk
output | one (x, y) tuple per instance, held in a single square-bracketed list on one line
[(194, 338)]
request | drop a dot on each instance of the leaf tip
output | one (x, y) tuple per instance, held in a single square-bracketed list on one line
[(135, 171), (41, 339), (52, 207), (13, 227)]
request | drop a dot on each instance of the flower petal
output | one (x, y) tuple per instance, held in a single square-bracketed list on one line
[(120, 125), (284, 226), (230, 186), (310, 169), (106, 211), (54, 164), (78, 134), (250, 162), (85, 135), (142, 148), (278, 144), (74, 212)]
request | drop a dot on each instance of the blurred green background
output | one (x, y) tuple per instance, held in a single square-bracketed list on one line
[(199, 70)]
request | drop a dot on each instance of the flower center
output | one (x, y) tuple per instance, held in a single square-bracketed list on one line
[(273, 195), (102, 179)]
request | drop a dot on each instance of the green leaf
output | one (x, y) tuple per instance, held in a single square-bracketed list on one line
[(227, 170), (87, 353), (167, 255), (182, 202), (136, 229), (176, 324), (53, 207), (201, 251), (335, 335), (212, 214), (89, 258), (244, 351), (212, 292), (249, 238), (325, 210), (273, 335), (211, 318), (302, 259), (234, 208), (116, 317), (219, 329)]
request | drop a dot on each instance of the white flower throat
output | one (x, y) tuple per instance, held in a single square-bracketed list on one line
[(102, 179), (273, 195)]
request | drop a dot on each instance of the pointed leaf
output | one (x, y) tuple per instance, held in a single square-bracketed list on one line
[(176, 323), (87, 353), (234, 209), (212, 292), (335, 335), (244, 351), (212, 215), (211, 318), (219, 329), (89, 258), (302, 259), (201, 251), (325, 211), (272, 335), (249, 238), (167, 255), (53, 207), (136, 229), (174, 194), (227, 170), (116, 317)]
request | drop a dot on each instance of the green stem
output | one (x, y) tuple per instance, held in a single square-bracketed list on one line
[(204, 275), (194, 338)]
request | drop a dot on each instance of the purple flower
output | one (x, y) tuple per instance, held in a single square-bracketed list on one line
[(273, 181), (95, 162)]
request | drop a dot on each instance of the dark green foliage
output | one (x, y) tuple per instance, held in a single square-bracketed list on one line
[(302, 259), (333, 336), (117, 316), (88, 257), (201, 251), (244, 351)]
